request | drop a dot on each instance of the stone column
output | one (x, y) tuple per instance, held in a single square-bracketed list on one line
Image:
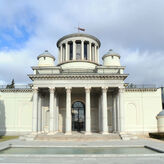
[(104, 111), (88, 112), (39, 114), (66, 51), (56, 129), (68, 129), (98, 55), (35, 111), (114, 120), (74, 50), (90, 51), (118, 113), (95, 55), (51, 127), (61, 53), (82, 50), (121, 109)]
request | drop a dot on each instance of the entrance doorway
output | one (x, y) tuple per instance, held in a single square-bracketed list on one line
[(78, 116)]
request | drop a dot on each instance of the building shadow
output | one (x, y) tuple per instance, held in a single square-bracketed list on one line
[(2, 119)]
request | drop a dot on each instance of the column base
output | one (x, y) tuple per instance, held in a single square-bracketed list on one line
[(39, 132), (34, 133), (87, 133), (68, 133), (50, 133), (104, 133)]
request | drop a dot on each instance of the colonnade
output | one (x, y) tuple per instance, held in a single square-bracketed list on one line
[(118, 115), (92, 51)]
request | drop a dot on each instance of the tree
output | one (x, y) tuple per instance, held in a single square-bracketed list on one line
[(12, 85)]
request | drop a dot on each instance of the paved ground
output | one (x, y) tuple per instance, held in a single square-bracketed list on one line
[(85, 160)]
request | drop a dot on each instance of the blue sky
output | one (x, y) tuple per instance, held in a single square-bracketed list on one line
[(135, 29)]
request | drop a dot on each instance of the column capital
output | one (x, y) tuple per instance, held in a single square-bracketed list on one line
[(68, 89), (51, 89), (104, 89), (121, 90), (35, 89), (87, 89)]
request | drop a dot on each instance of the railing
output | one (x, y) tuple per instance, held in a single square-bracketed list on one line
[(131, 86), (16, 87)]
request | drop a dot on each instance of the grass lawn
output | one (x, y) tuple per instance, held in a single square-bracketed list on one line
[(5, 138)]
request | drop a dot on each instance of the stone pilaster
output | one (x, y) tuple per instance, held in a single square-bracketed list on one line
[(88, 112), (68, 129)]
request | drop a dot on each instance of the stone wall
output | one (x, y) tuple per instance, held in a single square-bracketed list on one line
[(140, 110), (15, 113)]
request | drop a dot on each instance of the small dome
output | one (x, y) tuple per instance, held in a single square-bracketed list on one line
[(161, 113), (111, 53), (46, 54), (111, 58), (46, 59)]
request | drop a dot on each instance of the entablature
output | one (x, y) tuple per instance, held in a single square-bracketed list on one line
[(81, 76)]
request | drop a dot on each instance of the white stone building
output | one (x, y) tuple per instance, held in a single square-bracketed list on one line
[(79, 94)]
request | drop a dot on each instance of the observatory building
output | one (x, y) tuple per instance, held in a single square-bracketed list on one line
[(79, 94)]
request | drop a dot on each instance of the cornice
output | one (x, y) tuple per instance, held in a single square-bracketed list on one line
[(17, 90), (78, 76), (140, 89), (78, 35)]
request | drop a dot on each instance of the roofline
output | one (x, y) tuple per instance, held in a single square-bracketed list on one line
[(77, 35)]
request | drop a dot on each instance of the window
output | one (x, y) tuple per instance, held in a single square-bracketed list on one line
[(70, 51), (85, 51), (78, 50)]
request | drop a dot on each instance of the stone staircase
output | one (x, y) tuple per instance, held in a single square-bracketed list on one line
[(28, 137), (128, 136), (78, 137)]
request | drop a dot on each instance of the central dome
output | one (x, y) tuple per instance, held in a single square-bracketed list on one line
[(78, 48)]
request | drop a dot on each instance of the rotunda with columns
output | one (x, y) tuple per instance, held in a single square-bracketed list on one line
[(78, 94)]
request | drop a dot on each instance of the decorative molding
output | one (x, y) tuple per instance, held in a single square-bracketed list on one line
[(82, 60), (121, 90), (104, 89), (68, 89), (76, 76), (35, 89), (87, 89), (52, 89), (140, 89), (17, 90)]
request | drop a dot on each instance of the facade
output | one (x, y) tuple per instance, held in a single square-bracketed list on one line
[(79, 94)]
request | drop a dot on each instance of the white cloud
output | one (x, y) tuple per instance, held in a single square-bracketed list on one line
[(133, 28)]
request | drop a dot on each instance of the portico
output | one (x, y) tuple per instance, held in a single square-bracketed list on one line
[(99, 116)]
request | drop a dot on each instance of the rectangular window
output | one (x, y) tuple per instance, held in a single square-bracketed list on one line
[(71, 51), (85, 51), (78, 51)]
